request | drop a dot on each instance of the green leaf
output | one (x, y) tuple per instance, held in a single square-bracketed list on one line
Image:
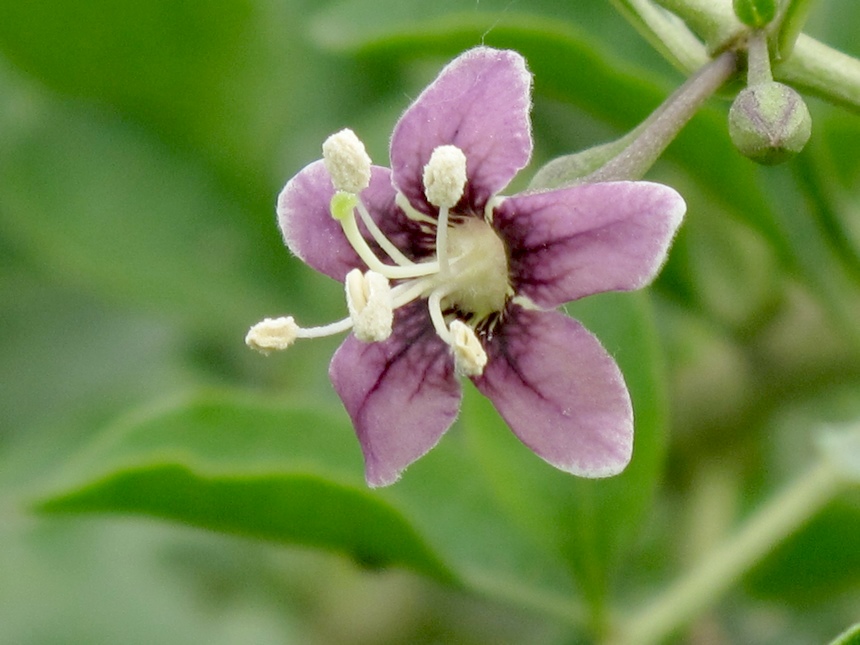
[(455, 504), (70, 361), (118, 568), (232, 84), (828, 175), (850, 636), (624, 95), (99, 205), (266, 472), (722, 253), (279, 507), (814, 253), (590, 523), (244, 466), (156, 57), (704, 149), (817, 564)]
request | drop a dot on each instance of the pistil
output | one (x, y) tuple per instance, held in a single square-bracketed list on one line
[(434, 305)]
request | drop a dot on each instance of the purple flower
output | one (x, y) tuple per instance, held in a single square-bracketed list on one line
[(445, 278)]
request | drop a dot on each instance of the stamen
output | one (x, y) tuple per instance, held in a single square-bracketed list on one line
[(442, 241), (406, 292), (368, 298), (434, 304), (445, 176), (393, 252), (490, 208), (326, 330), (525, 302), (444, 183), (272, 334), (411, 212), (469, 356), (347, 162)]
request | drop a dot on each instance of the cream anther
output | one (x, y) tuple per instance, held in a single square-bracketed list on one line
[(347, 162), (272, 334), (370, 304), (469, 356), (445, 176)]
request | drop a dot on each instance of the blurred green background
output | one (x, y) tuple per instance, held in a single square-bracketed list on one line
[(142, 146)]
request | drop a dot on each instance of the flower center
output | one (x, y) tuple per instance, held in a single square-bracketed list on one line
[(478, 280), (464, 284)]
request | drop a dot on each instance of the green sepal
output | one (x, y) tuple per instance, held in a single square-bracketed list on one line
[(570, 169)]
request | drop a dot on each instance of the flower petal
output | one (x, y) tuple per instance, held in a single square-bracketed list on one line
[(560, 392), (314, 236), (480, 103), (401, 394), (568, 243)]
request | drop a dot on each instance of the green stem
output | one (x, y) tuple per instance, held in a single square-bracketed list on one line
[(789, 24), (665, 33), (758, 59), (661, 128), (823, 71), (713, 22), (782, 515), (812, 67)]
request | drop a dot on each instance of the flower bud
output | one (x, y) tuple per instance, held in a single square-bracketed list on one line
[(769, 123), (754, 13)]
